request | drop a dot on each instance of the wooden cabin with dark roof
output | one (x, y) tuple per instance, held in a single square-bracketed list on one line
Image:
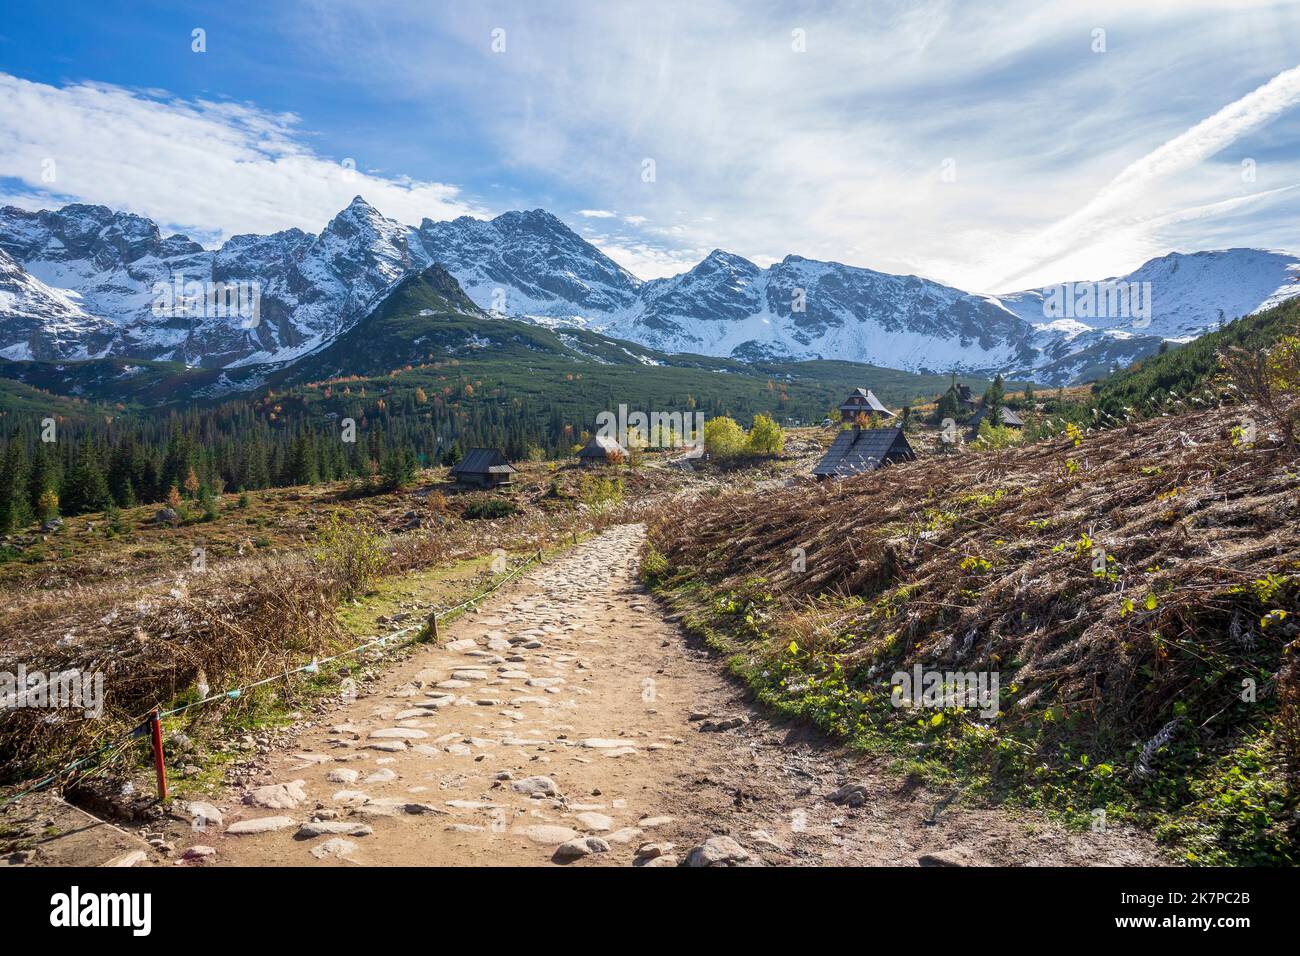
[(859, 450), (1007, 417), (862, 401), (962, 395), (601, 450), (483, 467)]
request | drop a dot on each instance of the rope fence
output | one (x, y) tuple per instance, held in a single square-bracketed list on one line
[(150, 723)]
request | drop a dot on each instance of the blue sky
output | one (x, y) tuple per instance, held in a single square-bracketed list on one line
[(992, 145)]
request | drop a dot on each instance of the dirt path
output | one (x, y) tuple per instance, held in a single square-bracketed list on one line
[(563, 710)]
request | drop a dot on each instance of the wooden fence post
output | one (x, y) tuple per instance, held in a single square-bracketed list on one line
[(155, 726)]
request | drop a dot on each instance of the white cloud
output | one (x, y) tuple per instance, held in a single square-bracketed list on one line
[(646, 260), (836, 152), (215, 168), (1110, 207), (1070, 164)]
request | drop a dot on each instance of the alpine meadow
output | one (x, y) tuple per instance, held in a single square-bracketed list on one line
[(762, 435)]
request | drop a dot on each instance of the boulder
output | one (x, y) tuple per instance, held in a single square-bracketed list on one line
[(718, 851)]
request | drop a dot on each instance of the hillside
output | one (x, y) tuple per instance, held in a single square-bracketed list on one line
[(426, 321), (427, 334), (130, 383), (1128, 587), (1193, 370)]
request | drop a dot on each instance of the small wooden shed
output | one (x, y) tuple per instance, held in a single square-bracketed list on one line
[(858, 450), (862, 401), (484, 468), (965, 397), (601, 450), (1008, 418)]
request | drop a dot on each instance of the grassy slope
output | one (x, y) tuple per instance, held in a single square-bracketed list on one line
[(22, 402), (1162, 380), (986, 563), (130, 383)]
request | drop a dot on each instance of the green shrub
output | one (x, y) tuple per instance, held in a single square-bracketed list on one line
[(599, 493), (352, 553), (491, 508), (724, 438), (765, 436), (995, 436)]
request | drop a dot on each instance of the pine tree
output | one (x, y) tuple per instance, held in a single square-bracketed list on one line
[(45, 478), (947, 406), (398, 468), (15, 500), (84, 487), (121, 472), (994, 398)]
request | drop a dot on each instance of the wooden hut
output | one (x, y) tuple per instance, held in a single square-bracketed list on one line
[(862, 401), (483, 467), (601, 450), (1007, 417), (965, 397), (858, 450)]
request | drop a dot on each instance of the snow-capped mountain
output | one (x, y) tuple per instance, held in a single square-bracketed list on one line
[(529, 263), (803, 308), (37, 322), (1178, 296), (255, 299), (86, 281)]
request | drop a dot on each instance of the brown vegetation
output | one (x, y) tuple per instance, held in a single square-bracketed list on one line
[(1115, 573)]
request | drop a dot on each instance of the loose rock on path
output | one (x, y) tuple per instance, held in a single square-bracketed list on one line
[(568, 723)]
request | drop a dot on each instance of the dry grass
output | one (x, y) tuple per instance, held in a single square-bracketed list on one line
[(152, 635), (987, 560)]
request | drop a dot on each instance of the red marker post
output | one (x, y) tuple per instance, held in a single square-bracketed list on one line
[(155, 725)]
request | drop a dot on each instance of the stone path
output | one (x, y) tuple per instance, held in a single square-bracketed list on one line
[(569, 721)]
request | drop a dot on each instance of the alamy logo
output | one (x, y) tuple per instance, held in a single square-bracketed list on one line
[(75, 909), (946, 689), (1099, 300), (70, 688), (653, 430), (208, 300)]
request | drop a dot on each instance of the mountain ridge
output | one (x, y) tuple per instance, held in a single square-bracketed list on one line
[(97, 272)]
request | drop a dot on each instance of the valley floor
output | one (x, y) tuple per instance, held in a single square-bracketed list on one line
[(570, 706)]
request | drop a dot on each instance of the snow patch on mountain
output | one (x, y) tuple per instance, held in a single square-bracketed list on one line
[(1190, 294), (83, 281), (40, 322)]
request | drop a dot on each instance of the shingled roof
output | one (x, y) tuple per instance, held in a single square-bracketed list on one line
[(862, 399), (602, 446), (858, 450), (483, 461), (1007, 416)]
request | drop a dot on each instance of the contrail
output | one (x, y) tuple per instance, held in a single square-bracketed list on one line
[(1184, 151)]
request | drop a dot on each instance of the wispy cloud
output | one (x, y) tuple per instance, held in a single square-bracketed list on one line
[(929, 137), (1112, 204), (215, 168), (975, 143)]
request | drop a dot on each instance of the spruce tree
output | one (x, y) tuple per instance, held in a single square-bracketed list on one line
[(44, 478), (15, 498)]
